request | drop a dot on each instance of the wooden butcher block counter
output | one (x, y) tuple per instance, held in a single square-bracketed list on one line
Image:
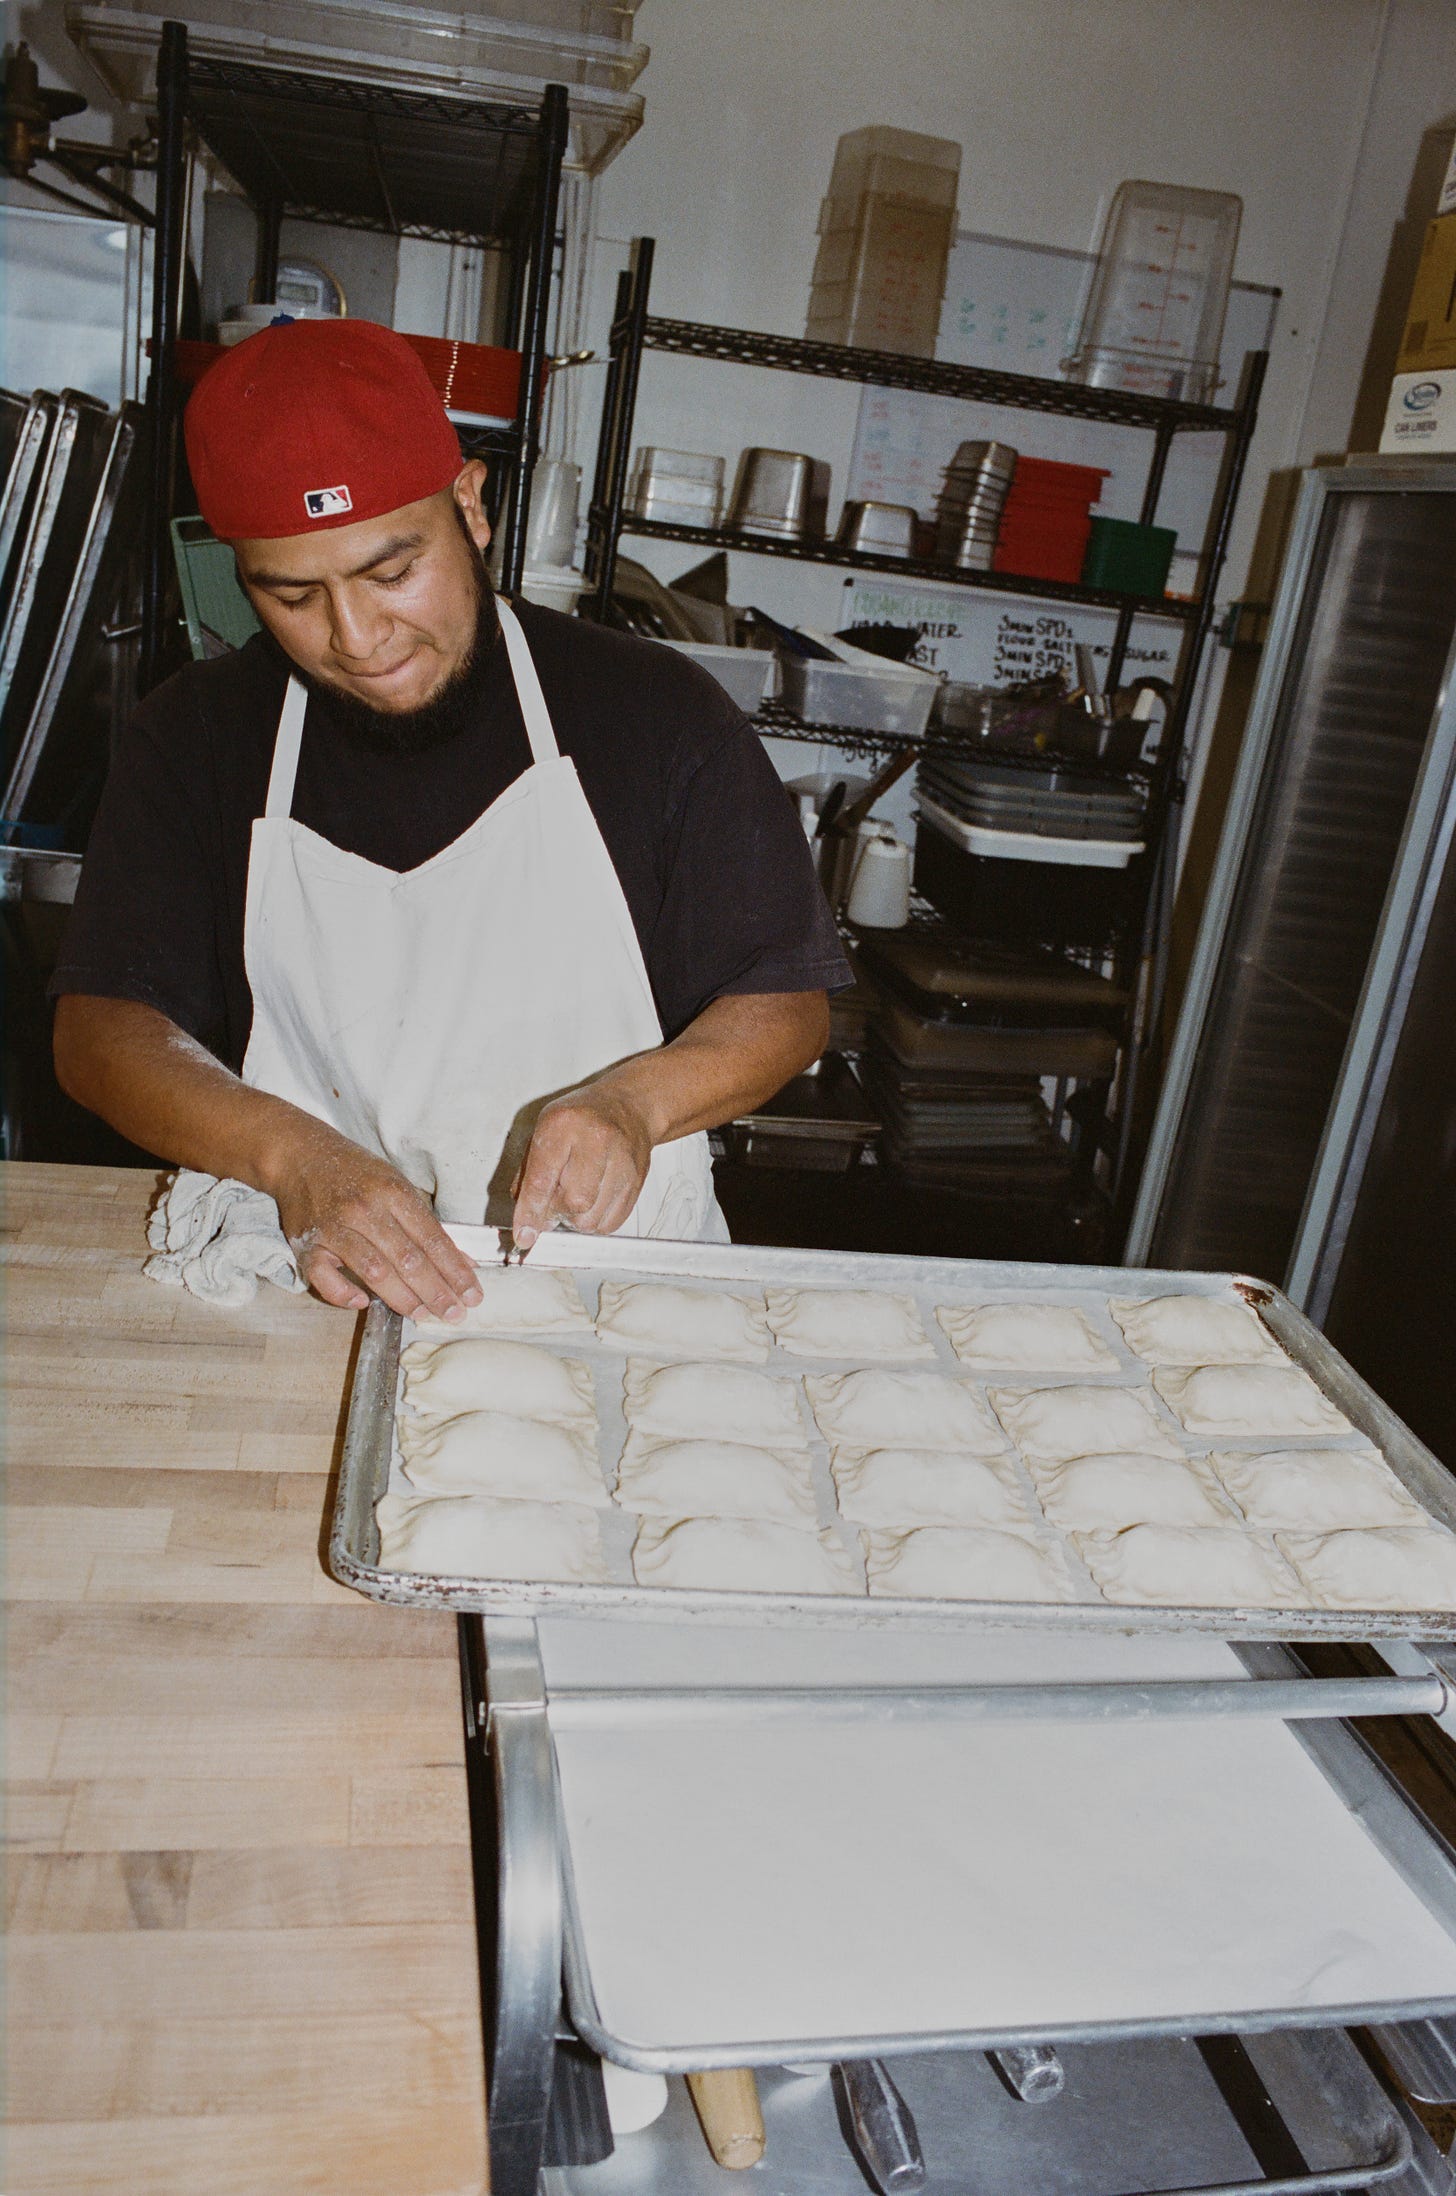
[(241, 1956)]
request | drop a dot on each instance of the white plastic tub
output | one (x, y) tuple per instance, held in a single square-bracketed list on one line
[(1028, 846), (745, 674), (890, 698), (553, 587)]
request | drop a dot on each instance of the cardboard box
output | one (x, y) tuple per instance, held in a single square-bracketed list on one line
[(1421, 415), (1430, 328)]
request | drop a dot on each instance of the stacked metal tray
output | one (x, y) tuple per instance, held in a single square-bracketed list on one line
[(1054, 801), (370, 1454)]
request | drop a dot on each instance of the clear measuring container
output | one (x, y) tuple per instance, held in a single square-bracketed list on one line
[(1154, 316)]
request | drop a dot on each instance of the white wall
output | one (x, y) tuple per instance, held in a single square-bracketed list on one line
[(1312, 110)]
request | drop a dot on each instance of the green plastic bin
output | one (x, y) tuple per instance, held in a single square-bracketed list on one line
[(219, 615), (1128, 558)]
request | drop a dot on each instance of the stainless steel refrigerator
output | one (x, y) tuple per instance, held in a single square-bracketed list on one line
[(1306, 1128)]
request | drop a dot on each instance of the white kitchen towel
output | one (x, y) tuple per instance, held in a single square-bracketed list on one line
[(218, 1239)]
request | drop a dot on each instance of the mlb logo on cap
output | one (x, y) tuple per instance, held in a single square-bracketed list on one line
[(327, 502)]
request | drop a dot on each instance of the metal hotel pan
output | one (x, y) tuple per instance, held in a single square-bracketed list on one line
[(368, 1449)]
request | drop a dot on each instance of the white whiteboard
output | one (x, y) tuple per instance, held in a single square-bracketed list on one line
[(999, 640)]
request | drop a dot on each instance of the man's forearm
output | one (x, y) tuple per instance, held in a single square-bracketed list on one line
[(166, 1092), (736, 1053)]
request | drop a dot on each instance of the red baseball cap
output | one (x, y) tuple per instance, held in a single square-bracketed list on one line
[(315, 423)]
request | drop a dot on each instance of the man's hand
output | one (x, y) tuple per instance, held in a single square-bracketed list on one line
[(586, 1165), (351, 1217), (588, 1157)]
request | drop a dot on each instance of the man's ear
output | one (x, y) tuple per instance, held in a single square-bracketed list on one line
[(468, 490)]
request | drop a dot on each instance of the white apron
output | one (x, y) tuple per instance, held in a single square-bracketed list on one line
[(429, 1015)]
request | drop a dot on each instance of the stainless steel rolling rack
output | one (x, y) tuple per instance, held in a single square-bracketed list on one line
[(1146, 912), (1261, 2090), (369, 156), (1284, 2091)]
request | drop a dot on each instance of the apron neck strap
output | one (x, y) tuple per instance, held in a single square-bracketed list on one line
[(528, 687), (285, 750)]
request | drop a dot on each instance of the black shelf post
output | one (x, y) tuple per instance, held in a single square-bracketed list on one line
[(602, 470), (265, 266), (168, 249), (533, 344), (615, 448)]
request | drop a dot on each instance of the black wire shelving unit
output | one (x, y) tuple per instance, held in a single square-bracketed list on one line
[(1147, 910), (361, 156)]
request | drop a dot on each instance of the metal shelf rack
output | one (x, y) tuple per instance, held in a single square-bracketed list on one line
[(952, 575), (363, 156), (1148, 906)]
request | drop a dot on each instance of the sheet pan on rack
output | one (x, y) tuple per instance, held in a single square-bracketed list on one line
[(370, 1454)]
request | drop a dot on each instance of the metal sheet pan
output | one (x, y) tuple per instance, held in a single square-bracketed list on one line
[(1405, 1842), (369, 1441), (41, 778), (48, 552)]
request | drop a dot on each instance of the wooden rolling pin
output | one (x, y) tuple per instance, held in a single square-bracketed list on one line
[(727, 2106)]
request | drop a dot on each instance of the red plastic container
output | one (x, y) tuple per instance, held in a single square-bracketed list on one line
[(1048, 476), (473, 377), (1046, 522), (1051, 560), (477, 378)]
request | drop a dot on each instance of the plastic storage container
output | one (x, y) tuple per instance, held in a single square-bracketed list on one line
[(892, 699), (401, 46), (589, 53), (885, 234), (745, 674), (1155, 312), (1045, 522), (899, 163), (553, 587), (1133, 559)]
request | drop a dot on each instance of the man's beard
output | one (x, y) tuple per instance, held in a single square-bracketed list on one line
[(451, 710)]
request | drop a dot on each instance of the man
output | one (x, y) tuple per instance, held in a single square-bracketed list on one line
[(421, 904)]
